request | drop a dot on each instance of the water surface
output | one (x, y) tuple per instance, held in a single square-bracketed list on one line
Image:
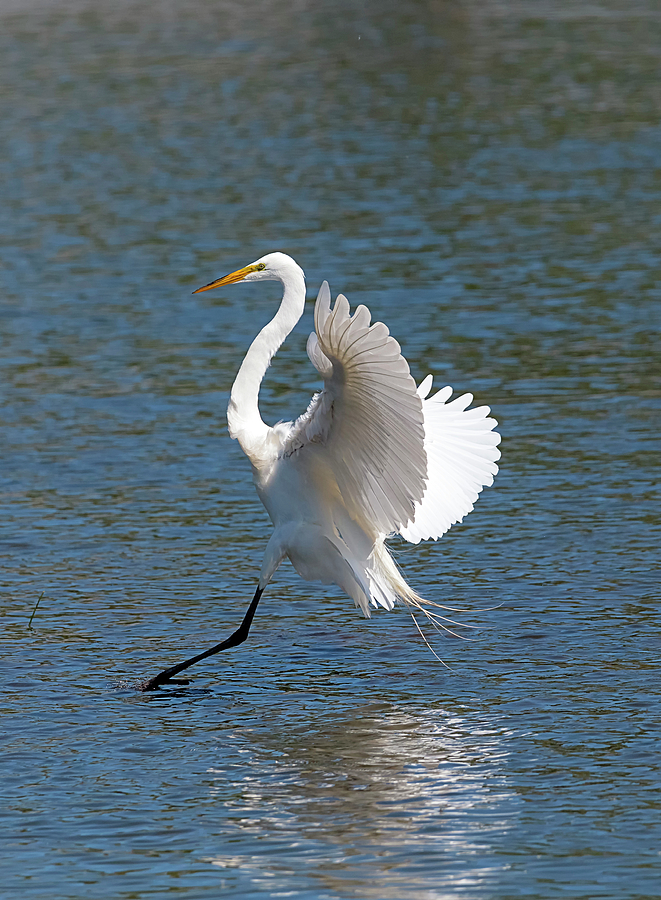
[(486, 178)]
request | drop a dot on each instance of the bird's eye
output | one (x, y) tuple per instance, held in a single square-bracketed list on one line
[(261, 266)]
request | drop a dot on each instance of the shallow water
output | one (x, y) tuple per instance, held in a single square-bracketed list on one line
[(486, 178)]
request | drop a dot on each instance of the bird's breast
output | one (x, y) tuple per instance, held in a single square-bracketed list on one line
[(293, 492)]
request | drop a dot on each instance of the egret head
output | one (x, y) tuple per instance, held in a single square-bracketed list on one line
[(272, 267)]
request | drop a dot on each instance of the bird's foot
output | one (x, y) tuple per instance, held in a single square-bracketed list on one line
[(153, 684)]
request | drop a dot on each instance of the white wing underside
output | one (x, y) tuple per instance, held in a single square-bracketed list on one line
[(462, 449), (366, 425), (403, 462)]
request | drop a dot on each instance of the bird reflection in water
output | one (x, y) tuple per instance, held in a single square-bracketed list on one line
[(390, 803)]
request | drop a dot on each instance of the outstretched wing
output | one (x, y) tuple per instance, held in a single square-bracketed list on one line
[(367, 423), (462, 449)]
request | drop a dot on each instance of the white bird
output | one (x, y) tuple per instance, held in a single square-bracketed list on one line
[(372, 456)]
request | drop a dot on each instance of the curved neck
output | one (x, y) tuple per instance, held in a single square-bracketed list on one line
[(243, 419)]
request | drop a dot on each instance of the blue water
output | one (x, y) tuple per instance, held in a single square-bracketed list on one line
[(486, 178)]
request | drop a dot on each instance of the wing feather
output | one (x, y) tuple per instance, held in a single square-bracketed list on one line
[(366, 425), (462, 450)]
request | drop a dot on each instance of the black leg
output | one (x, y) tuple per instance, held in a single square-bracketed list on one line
[(238, 637)]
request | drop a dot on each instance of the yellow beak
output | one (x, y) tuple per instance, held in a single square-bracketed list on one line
[(232, 278)]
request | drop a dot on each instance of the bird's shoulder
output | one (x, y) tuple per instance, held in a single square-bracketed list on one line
[(312, 427)]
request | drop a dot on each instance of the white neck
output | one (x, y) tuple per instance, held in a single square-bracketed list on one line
[(243, 419)]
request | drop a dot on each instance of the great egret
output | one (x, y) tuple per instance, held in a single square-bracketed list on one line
[(372, 455)]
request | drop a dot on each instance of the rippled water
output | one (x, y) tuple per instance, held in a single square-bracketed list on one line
[(486, 177)]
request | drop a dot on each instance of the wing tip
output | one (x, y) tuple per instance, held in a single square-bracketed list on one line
[(425, 387)]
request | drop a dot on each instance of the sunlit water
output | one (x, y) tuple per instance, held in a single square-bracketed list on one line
[(486, 177)]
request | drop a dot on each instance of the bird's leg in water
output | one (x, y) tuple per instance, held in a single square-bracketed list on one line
[(239, 636)]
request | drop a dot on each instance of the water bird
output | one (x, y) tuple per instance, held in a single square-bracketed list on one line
[(373, 455)]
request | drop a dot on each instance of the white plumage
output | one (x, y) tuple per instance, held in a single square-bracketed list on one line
[(372, 456), (462, 449)]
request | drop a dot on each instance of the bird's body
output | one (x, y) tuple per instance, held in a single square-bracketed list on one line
[(356, 466), (372, 456)]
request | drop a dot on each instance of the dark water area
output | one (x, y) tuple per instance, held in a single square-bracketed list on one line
[(486, 177)]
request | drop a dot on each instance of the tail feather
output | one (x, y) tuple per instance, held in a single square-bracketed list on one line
[(372, 578), (385, 572)]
